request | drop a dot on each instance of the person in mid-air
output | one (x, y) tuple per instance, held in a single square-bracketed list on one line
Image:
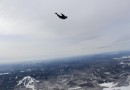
[(62, 16)]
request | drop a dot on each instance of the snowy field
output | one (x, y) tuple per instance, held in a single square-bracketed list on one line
[(112, 86)]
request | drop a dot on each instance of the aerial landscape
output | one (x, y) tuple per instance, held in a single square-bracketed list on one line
[(64, 44), (109, 71)]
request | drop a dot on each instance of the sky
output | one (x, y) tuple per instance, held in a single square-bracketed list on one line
[(29, 29)]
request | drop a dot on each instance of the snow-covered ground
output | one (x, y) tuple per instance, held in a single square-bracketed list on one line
[(112, 86), (28, 82), (4, 73), (74, 88)]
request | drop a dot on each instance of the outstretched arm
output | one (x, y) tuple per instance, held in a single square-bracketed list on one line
[(57, 14)]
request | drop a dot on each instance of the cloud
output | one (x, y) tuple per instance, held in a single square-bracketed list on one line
[(30, 29), (122, 39), (104, 47)]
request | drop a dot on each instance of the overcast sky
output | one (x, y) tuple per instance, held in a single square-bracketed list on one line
[(29, 29)]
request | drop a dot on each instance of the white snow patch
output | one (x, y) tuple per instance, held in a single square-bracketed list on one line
[(113, 86), (74, 88), (28, 82), (22, 71), (4, 73), (123, 57)]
